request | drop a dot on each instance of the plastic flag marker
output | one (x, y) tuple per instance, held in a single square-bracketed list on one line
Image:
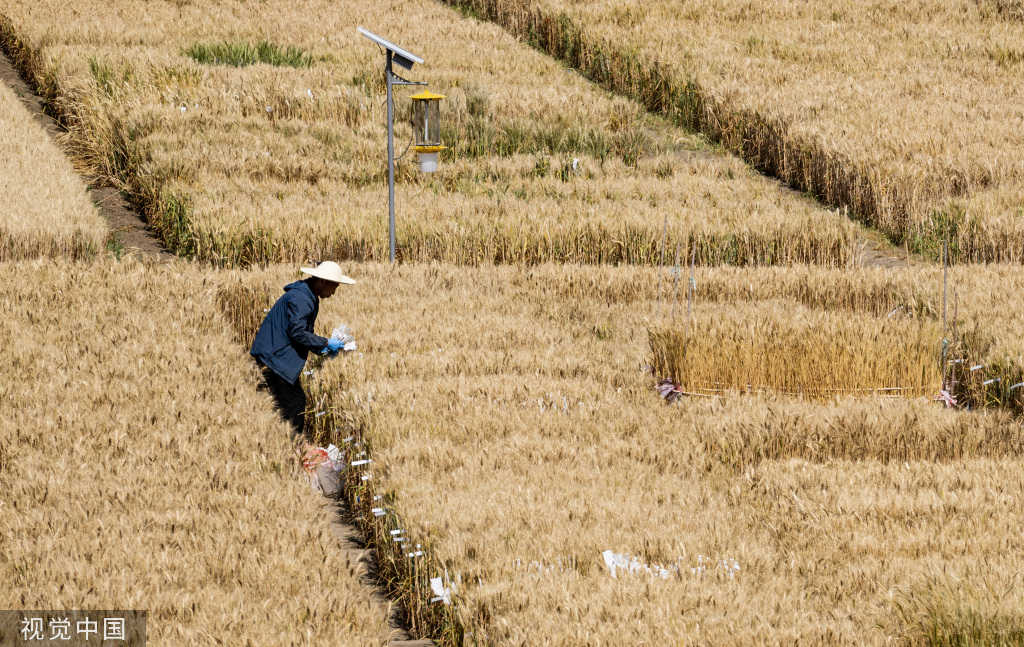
[(441, 594)]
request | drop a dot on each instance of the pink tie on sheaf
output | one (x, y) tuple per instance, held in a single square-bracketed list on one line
[(945, 396)]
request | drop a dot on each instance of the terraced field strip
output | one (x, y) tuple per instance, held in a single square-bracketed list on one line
[(906, 116), (127, 230), (282, 159), (46, 211)]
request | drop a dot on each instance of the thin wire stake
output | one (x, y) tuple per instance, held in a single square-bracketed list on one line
[(689, 290), (675, 281), (910, 279), (956, 342), (945, 344), (661, 265), (945, 260)]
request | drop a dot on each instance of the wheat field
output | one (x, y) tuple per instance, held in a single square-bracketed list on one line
[(264, 163), (510, 410), (908, 115), (45, 210), (515, 437), (140, 469)]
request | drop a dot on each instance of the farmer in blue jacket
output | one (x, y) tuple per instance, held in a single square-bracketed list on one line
[(286, 336)]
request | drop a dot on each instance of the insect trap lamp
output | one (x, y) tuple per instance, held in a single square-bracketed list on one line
[(426, 128), (426, 119)]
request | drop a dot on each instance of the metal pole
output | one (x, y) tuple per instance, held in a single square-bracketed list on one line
[(689, 289), (945, 256), (675, 282), (661, 264), (945, 343), (391, 159)]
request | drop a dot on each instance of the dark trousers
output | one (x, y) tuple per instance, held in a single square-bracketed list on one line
[(289, 398)]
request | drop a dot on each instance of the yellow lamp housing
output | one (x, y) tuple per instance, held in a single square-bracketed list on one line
[(426, 128)]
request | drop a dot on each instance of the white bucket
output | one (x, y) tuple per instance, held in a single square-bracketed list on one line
[(428, 162)]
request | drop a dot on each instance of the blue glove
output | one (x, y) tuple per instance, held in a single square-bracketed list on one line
[(333, 346)]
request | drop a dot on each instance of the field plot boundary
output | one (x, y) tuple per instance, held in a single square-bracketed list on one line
[(128, 229), (403, 566), (764, 142)]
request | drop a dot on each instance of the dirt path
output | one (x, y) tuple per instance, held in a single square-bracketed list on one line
[(872, 256), (129, 228), (363, 559)]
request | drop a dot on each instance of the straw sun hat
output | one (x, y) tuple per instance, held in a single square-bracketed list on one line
[(329, 271)]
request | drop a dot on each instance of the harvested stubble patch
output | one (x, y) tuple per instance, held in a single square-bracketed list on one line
[(263, 162), (509, 424), (45, 209), (908, 114), (140, 469)]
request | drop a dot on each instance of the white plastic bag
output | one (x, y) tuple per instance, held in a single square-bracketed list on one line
[(344, 335)]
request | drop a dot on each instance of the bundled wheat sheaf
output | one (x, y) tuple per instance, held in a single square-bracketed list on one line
[(787, 349)]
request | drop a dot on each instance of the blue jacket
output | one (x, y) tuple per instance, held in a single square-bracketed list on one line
[(286, 334)]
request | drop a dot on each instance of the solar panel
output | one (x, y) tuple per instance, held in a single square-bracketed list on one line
[(400, 56)]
